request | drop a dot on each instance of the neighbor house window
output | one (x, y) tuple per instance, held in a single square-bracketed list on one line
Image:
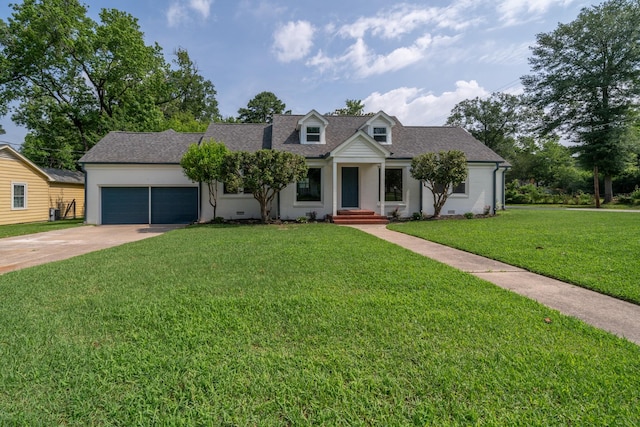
[(19, 196), (380, 134), (393, 185), (309, 189), (313, 134)]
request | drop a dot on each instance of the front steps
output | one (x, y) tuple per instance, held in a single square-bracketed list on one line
[(358, 216)]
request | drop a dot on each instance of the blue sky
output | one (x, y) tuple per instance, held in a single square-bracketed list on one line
[(412, 59)]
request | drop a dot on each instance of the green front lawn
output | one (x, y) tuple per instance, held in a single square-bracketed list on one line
[(294, 325), (596, 250), (37, 227)]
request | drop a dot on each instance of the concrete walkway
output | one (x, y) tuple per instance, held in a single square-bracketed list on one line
[(35, 249), (613, 315)]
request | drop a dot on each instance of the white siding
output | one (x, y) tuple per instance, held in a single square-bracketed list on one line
[(359, 149), (230, 206), (99, 176), (479, 195)]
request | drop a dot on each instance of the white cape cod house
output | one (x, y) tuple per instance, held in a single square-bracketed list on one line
[(355, 163)]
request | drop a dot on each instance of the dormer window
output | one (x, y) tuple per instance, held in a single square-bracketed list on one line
[(312, 128), (380, 134), (379, 128), (313, 134)]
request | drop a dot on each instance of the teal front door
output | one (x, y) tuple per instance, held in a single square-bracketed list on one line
[(350, 190)]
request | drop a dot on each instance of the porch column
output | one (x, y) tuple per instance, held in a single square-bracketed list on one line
[(382, 186), (334, 185)]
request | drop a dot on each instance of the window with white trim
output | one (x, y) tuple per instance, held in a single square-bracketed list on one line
[(458, 189), (309, 189), (313, 133), (393, 185), (18, 196), (380, 134)]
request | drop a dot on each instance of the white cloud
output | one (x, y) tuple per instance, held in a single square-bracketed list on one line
[(179, 11), (414, 106), (203, 7), (404, 19), (505, 55), (176, 14), (513, 12), (293, 40), (361, 61), (410, 33)]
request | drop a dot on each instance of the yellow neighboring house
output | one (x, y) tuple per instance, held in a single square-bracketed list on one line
[(28, 192)]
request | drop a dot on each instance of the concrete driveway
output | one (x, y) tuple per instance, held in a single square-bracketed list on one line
[(35, 249)]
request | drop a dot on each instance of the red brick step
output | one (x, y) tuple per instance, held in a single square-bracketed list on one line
[(358, 216)]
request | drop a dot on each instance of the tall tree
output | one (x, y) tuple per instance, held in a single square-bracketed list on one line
[(190, 94), (497, 121), (586, 75), (264, 173), (75, 79), (204, 163), (261, 108), (353, 107), (440, 173)]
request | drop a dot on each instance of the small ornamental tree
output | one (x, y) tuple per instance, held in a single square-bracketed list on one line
[(264, 173), (440, 173), (203, 163)]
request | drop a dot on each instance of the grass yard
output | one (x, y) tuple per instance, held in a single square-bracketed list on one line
[(37, 227), (595, 250), (294, 325)]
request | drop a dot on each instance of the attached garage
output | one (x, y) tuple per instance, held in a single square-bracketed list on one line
[(149, 205)]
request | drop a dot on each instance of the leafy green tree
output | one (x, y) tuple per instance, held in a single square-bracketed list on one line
[(185, 122), (586, 75), (264, 173), (261, 108), (496, 121), (204, 163), (440, 173), (74, 79), (354, 107), (189, 93), (545, 162)]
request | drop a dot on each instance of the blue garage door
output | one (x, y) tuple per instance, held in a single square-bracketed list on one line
[(125, 205), (174, 205)]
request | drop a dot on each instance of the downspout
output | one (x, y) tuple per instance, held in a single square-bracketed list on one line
[(278, 203), (495, 191), (504, 196), (421, 189), (84, 208), (200, 201)]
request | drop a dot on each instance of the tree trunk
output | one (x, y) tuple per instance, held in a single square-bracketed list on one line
[(437, 207), (608, 188), (596, 186)]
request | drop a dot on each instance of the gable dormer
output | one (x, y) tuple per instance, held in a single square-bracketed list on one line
[(379, 127), (312, 128)]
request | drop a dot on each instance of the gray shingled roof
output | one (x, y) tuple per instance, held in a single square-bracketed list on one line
[(407, 141), (169, 146), (66, 176), (165, 147), (240, 136)]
